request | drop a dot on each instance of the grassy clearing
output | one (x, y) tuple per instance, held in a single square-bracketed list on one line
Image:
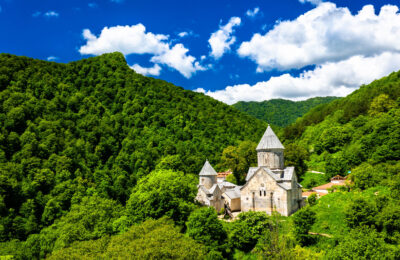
[(330, 210)]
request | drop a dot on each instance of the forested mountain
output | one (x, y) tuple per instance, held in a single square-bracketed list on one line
[(281, 112), (360, 129), (358, 136), (97, 161), (93, 128)]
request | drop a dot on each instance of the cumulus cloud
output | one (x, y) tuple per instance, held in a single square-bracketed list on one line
[(126, 39), (314, 2), (253, 13), (135, 40), (221, 40), (51, 14), (153, 71), (328, 79), (52, 58), (325, 34), (178, 59)]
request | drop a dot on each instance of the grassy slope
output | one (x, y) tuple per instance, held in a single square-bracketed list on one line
[(330, 210)]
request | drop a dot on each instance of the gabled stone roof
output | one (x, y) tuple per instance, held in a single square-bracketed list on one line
[(282, 177), (269, 141), (207, 170), (213, 189), (233, 193)]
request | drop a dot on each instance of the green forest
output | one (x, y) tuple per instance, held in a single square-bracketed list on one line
[(281, 112), (99, 162)]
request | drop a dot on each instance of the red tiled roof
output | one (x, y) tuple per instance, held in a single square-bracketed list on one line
[(338, 177), (328, 185), (307, 193), (224, 174)]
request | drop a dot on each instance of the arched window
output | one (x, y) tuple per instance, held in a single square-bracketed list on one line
[(262, 190)]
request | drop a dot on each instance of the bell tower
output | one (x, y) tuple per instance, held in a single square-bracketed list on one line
[(208, 176), (270, 151)]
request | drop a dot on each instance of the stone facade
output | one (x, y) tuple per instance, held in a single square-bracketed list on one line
[(267, 190), (211, 198), (269, 186)]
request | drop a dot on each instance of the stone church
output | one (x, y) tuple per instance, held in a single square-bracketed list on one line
[(269, 186)]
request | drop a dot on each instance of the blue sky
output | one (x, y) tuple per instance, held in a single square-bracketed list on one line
[(230, 50)]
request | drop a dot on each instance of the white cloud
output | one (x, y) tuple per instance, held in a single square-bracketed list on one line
[(200, 90), (178, 59), (189, 33), (153, 71), (135, 40), (252, 13), (328, 79), (325, 33), (314, 2), (221, 40), (52, 58), (183, 34), (126, 39), (51, 14)]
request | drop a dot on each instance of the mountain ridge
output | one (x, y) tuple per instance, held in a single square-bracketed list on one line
[(281, 112)]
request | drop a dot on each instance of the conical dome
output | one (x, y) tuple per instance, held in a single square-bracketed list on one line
[(207, 170), (269, 141)]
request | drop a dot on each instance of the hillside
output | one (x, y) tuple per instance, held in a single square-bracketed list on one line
[(97, 161), (358, 136), (359, 133), (281, 112), (356, 104), (95, 127)]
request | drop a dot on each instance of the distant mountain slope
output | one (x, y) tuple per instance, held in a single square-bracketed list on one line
[(281, 112), (95, 127), (359, 133), (355, 104)]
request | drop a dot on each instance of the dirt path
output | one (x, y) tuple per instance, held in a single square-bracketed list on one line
[(317, 172), (320, 234)]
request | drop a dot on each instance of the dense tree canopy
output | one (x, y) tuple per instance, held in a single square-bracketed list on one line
[(281, 112), (358, 134), (204, 226), (153, 239), (248, 229), (303, 221), (238, 159), (163, 193), (95, 127)]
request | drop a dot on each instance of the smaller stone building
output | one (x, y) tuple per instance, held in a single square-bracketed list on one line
[(209, 192), (212, 192)]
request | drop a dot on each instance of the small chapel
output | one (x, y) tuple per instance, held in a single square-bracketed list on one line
[(269, 187)]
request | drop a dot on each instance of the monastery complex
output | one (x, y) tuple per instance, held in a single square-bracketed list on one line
[(269, 186)]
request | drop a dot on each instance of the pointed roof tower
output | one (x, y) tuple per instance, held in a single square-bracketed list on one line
[(269, 141), (207, 170)]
